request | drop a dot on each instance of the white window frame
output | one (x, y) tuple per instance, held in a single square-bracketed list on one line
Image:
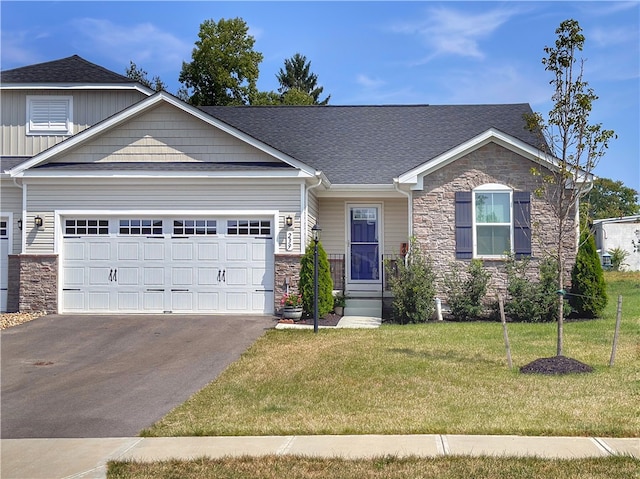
[(491, 188), (41, 129)]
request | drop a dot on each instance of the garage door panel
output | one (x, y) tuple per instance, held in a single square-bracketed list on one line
[(208, 301), (236, 276), (237, 301), (75, 251), (100, 275), (129, 301), (182, 301), (74, 276), (99, 251), (208, 251), (153, 251), (182, 252), (153, 276), (129, 276), (153, 300), (207, 276), (74, 300), (182, 276), (237, 252), (128, 251), (99, 301), (258, 252), (259, 277)]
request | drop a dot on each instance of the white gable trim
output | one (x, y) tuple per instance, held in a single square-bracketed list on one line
[(416, 176), (140, 107)]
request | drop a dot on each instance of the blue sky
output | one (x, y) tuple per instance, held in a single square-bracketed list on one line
[(366, 52)]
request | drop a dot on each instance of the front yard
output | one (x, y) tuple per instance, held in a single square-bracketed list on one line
[(433, 378)]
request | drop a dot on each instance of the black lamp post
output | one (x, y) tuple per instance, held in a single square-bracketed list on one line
[(316, 238)]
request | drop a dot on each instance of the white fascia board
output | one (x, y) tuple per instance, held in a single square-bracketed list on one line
[(140, 107), (359, 191), (161, 174), (416, 175), (78, 86), (623, 219)]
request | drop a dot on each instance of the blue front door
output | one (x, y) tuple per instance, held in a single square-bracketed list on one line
[(364, 249)]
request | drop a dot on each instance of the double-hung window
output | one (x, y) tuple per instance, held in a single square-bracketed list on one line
[(492, 221), (49, 115)]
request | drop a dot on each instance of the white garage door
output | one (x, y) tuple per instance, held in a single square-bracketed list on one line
[(4, 262), (152, 265)]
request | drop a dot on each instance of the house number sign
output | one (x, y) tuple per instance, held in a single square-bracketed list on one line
[(289, 241)]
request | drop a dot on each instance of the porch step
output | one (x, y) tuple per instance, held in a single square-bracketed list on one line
[(364, 307)]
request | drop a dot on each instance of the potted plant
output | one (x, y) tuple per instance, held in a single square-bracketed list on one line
[(291, 306), (339, 302)]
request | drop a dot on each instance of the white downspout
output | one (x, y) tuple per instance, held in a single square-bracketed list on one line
[(396, 185), (303, 233)]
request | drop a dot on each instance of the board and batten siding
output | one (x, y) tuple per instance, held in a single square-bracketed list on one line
[(11, 202), (129, 195), (165, 134), (334, 221), (89, 108)]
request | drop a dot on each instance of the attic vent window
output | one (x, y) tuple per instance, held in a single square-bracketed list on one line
[(49, 115)]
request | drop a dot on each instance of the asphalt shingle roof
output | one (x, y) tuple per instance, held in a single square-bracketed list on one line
[(372, 144), (8, 162), (73, 69)]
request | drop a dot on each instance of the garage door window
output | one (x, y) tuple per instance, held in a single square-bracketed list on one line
[(194, 227), (140, 227), (86, 227), (248, 227)]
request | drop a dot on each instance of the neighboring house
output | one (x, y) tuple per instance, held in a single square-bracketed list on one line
[(623, 233), (131, 201)]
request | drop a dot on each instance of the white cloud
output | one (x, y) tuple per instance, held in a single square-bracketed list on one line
[(153, 49), (446, 31), (368, 82)]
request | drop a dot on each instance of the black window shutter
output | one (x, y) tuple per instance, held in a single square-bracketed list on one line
[(522, 223), (464, 225)]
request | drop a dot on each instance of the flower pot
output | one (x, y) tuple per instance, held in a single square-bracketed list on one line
[(338, 310), (292, 312)]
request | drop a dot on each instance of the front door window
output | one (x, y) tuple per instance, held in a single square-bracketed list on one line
[(364, 252)]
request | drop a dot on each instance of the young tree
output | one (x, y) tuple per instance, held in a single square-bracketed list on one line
[(306, 286), (588, 289), (224, 67), (609, 199), (140, 75), (296, 76), (575, 145)]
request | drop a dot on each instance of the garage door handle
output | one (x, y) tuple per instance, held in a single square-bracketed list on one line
[(113, 274)]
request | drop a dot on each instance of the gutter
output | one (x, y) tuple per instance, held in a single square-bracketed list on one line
[(396, 185)]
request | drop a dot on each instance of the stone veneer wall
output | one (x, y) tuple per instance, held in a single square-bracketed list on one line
[(287, 268), (33, 283), (434, 208)]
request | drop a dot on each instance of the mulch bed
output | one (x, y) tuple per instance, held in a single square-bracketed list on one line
[(556, 365), (330, 319)]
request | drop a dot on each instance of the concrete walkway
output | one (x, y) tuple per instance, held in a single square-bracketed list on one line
[(87, 458), (346, 322)]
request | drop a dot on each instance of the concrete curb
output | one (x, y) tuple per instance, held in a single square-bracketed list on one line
[(87, 458)]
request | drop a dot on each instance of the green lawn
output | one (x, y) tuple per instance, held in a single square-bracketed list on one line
[(293, 467), (433, 378)]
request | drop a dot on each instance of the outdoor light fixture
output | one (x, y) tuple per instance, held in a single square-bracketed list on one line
[(289, 221), (38, 221), (316, 238), (20, 224)]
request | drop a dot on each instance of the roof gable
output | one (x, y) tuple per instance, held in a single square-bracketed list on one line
[(169, 155)]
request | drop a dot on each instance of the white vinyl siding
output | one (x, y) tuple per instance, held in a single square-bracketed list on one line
[(188, 195), (50, 115), (89, 108), (333, 223), (165, 134), (11, 202)]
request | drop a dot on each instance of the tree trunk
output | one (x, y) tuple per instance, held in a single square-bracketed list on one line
[(560, 295)]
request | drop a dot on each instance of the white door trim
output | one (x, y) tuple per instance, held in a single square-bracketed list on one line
[(363, 285)]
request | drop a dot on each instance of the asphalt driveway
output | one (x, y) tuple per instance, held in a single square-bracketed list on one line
[(111, 376)]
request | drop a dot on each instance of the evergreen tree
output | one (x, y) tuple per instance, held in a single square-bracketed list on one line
[(588, 289), (297, 76), (325, 284)]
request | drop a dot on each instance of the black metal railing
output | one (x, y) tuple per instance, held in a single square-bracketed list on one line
[(337, 267)]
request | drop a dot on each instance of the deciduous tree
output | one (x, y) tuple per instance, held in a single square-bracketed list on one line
[(575, 145), (224, 67)]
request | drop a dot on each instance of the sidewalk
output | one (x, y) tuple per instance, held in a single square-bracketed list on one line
[(346, 322), (87, 458)]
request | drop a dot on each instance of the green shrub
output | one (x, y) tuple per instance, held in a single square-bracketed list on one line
[(325, 283), (618, 256), (412, 283), (528, 300), (466, 290), (588, 295)]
